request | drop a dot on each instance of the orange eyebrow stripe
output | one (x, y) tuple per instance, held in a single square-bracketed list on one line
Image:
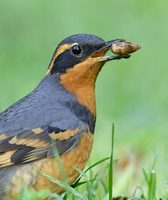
[(60, 50)]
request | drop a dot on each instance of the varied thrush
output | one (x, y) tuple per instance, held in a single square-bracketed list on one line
[(59, 113)]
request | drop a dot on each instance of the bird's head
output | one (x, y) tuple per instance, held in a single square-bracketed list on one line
[(77, 61), (80, 53)]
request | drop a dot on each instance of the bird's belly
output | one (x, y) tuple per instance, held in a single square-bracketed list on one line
[(61, 168)]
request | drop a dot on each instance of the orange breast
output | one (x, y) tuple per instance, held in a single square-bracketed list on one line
[(64, 170)]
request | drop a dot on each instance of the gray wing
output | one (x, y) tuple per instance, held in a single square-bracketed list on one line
[(34, 125)]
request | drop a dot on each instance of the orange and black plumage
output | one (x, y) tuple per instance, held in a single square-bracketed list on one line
[(60, 113)]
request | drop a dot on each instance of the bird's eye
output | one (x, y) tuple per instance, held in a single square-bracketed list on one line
[(76, 50)]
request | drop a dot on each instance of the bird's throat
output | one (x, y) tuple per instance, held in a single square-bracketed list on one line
[(80, 80)]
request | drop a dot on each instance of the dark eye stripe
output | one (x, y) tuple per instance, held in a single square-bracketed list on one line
[(56, 54), (67, 59)]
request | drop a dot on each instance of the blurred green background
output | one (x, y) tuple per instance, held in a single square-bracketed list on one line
[(131, 93)]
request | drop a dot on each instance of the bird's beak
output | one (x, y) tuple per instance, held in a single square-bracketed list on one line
[(100, 56)]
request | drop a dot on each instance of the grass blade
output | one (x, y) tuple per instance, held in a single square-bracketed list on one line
[(152, 185), (111, 166), (97, 163), (64, 185), (89, 168)]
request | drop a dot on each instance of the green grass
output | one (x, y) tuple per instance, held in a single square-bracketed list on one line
[(111, 166)]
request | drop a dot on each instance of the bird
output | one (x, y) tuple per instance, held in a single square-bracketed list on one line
[(51, 129)]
